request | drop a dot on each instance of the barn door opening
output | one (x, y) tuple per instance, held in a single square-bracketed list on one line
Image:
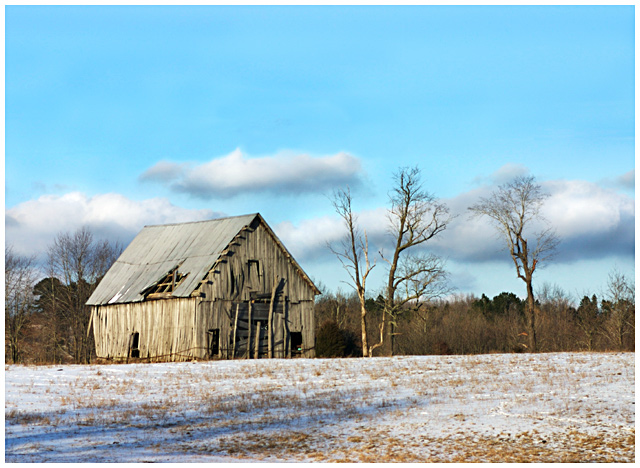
[(296, 344), (213, 342), (134, 345)]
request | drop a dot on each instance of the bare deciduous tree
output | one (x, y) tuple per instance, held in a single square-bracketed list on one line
[(422, 277), (619, 308), (415, 217), (513, 207), (557, 314), (353, 253), (20, 275), (79, 262)]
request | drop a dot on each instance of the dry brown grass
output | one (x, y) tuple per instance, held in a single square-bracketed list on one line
[(22, 417), (379, 447), (294, 411)]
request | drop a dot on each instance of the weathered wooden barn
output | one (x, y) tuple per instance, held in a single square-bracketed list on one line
[(226, 288)]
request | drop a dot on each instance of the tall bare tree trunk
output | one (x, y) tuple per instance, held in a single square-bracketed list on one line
[(354, 246), (531, 316), (415, 217), (363, 325), (512, 208)]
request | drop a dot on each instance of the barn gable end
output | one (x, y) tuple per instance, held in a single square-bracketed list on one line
[(249, 298)]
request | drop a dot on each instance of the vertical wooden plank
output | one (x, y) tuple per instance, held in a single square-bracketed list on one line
[(248, 352), (287, 335), (270, 320), (306, 309), (235, 333), (257, 350), (196, 341)]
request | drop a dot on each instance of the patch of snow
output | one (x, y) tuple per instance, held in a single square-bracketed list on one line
[(573, 406)]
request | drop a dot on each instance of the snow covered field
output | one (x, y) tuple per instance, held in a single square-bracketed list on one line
[(519, 407)]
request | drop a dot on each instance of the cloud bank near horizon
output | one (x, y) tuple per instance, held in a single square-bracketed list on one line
[(31, 227), (236, 173), (592, 222)]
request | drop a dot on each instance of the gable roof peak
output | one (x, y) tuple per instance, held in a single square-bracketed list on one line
[(192, 248), (223, 218)]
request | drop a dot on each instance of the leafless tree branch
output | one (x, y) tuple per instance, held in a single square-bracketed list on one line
[(415, 217), (353, 254), (512, 208)]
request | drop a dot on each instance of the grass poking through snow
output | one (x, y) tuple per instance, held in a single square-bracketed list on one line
[(567, 407)]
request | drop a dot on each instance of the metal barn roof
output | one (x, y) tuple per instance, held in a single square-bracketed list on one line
[(156, 250)]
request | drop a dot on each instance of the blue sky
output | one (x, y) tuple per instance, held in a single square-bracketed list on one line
[(117, 117)]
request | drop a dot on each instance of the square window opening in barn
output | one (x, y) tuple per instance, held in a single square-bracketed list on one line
[(134, 350), (213, 342), (296, 343)]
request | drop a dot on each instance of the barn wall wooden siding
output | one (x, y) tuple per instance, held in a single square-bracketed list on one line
[(252, 268)]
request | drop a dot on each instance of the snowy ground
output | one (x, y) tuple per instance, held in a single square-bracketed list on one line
[(543, 407)]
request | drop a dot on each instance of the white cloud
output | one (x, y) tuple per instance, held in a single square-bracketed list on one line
[(592, 222), (308, 239), (577, 207), (236, 173), (31, 226), (467, 237)]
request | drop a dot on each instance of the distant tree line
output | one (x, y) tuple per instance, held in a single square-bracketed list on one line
[(466, 324), (46, 319)]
